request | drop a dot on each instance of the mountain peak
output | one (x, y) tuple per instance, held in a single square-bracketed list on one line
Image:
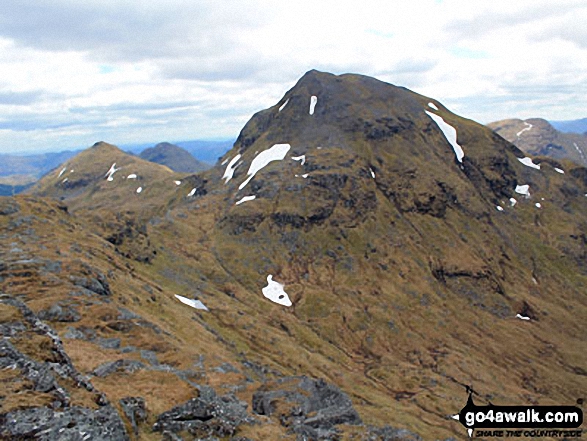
[(174, 157), (104, 146)]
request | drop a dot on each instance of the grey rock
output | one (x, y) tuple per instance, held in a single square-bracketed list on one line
[(388, 433), (81, 333), (74, 423), (98, 285), (108, 343), (61, 358), (128, 366), (150, 356), (208, 415), (313, 404), (135, 410), (10, 329), (125, 314), (59, 313), (226, 368), (8, 206), (39, 374)]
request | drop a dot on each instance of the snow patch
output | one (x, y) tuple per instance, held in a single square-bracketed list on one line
[(513, 202), (561, 171), (499, 208), (306, 175), (313, 101), (229, 172), (300, 158), (274, 292), (581, 154), (245, 199), (193, 303), (224, 162), (523, 189), (177, 182), (131, 176), (372, 172), (522, 317), (275, 153), (65, 180), (528, 163), (191, 193), (283, 105), (71, 171), (111, 172), (525, 129), (450, 134), (538, 205), (139, 190), (62, 171), (432, 106)]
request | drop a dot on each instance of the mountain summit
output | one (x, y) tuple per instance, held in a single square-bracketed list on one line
[(358, 258), (174, 157)]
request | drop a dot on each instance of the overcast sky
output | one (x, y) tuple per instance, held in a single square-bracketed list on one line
[(127, 71)]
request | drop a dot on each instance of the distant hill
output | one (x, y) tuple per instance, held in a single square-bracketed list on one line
[(174, 157), (571, 126), (34, 165), (538, 137), (105, 176), (11, 190), (207, 151), (17, 173)]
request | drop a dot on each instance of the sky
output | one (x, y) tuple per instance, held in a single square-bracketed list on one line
[(126, 71)]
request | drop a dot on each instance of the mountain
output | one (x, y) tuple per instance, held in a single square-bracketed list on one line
[(33, 165), (571, 126), (206, 151), (358, 258), (17, 173), (537, 136), (174, 157)]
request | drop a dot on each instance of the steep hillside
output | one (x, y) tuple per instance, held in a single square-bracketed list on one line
[(358, 237), (538, 137), (174, 157)]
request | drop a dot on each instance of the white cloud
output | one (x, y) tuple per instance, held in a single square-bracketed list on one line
[(72, 73)]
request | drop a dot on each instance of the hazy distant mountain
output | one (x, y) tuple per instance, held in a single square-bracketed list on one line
[(538, 137), (33, 165), (17, 173), (207, 151), (174, 157), (571, 126)]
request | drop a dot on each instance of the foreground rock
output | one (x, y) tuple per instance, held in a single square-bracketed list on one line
[(74, 423), (207, 415), (309, 407)]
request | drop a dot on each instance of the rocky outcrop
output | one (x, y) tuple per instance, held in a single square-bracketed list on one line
[(135, 411), (74, 423), (207, 415), (312, 408), (50, 372)]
